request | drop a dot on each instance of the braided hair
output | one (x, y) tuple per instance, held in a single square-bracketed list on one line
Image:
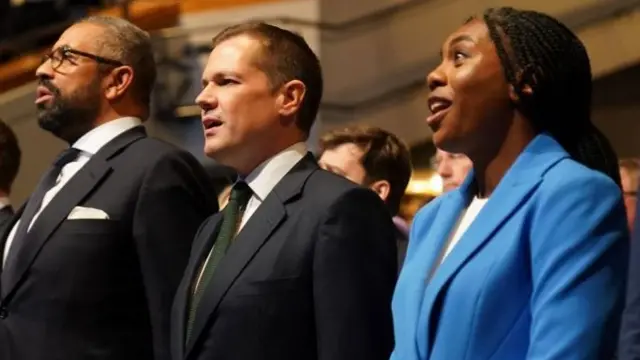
[(541, 52)]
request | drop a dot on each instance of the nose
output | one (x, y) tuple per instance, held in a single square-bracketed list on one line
[(207, 99), (436, 78), (44, 71)]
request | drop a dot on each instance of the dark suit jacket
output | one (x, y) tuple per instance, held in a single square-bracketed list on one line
[(310, 276), (629, 340), (102, 289), (6, 214)]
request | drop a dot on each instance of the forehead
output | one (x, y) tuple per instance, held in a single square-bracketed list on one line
[(80, 36), (629, 179), (474, 30), (346, 154), (441, 154), (237, 52)]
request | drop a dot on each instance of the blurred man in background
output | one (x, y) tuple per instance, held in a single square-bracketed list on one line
[(10, 155), (374, 158), (452, 168), (630, 178)]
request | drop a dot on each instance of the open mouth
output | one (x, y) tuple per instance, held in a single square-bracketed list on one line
[(210, 123), (438, 107), (43, 95)]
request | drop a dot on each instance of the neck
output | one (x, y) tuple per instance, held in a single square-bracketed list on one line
[(491, 164)]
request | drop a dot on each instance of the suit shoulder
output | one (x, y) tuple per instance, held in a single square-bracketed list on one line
[(325, 188), (155, 150), (570, 177)]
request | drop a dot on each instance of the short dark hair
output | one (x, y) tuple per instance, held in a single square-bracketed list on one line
[(10, 156), (537, 50), (385, 157), (287, 56), (127, 43)]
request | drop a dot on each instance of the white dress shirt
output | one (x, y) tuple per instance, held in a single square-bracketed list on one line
[(88, 144)]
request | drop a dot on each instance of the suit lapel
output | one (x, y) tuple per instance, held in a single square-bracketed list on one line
[(74, 192), (201, 246), (515, 187), (262, 224)]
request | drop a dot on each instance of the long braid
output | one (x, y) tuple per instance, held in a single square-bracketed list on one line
[(538, 50)]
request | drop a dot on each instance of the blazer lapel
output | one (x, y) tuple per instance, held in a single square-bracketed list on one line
[(518, 183), (52, 215), (201, 245), (270, 214), (73, 193)]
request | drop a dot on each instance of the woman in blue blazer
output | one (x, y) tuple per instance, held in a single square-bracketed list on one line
[(527, 259)]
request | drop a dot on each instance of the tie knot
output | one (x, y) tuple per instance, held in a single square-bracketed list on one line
[(241, 192), (65, 157)]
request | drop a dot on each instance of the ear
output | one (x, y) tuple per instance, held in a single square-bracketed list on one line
[(524, 80), (291, 96), (382, 188), (525, 89), (118, 81)]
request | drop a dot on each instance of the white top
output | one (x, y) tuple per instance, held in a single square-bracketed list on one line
[(464, 221), (88, 144)]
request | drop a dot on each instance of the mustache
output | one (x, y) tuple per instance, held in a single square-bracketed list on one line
[(47, 84)]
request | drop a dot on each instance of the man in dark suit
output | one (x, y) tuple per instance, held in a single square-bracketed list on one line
[(92, 265), (301, 264), (10, 155)]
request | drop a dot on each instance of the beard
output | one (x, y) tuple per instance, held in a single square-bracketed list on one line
[(70, 116)]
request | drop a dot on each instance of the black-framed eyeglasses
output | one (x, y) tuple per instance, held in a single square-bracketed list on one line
[(60, 54)]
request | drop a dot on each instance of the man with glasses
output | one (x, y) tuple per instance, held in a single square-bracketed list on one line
[(90, 268)]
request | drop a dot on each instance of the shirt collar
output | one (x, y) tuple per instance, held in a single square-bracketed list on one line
[(266, 176), (98, 137)]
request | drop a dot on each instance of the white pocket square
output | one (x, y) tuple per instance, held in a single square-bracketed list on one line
[(80, 213)]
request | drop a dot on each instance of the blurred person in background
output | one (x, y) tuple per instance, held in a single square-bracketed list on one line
[(374, 158), (527, 259), (94, 257), (452, 168), (10, 156), (629, 346), (630, 178)]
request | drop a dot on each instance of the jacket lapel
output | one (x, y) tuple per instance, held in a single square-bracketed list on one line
[(74, 192), (269, 215), (201, 246), (518, 183)]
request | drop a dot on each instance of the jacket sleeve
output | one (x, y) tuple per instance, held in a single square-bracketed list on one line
[(175, 198), (578, 249), (354, 273)]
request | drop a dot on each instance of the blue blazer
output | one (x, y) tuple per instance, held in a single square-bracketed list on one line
[(539, 274)]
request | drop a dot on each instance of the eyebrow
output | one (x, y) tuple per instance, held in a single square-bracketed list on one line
[(459, 39)]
